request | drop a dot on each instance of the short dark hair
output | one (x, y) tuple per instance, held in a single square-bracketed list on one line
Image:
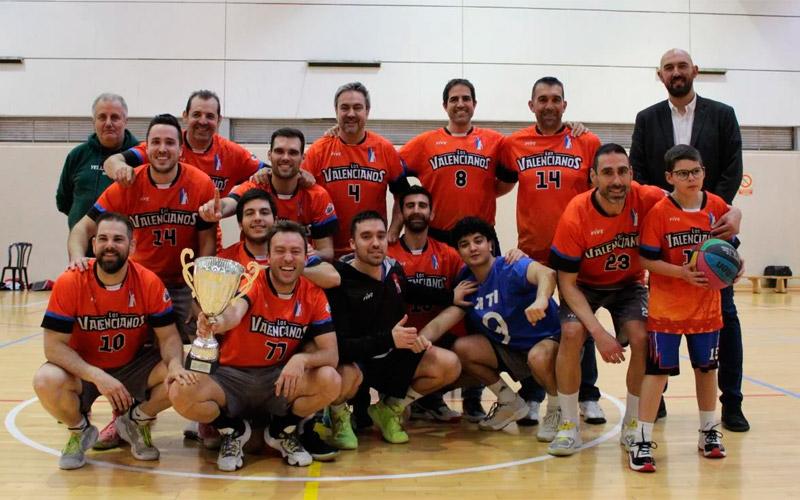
[(290, 133), (472, 225), (204, 95), (255, 194), (416, 189), (365, 216), (681, 152), (116, 217), (457, 81), (549, 81), (286, 226), (166, 119), (607, 149), (352, 87)]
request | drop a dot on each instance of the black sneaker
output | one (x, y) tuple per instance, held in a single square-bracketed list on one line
[(662, 409), (473, 410), (733, 419), (319, 449)]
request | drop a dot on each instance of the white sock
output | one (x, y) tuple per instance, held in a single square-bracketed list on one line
[(502, 391), (138, 415), (644, 430), (569, 407), (631, 409), (552, 403), (708, 419), (411, 396), (81, 425), (338, 408)]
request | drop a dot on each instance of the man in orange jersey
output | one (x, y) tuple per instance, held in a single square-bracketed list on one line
[(553, 166), (262, 369), (428, 262), (355, 166), (97, 328), (310, 206), (226, 162)]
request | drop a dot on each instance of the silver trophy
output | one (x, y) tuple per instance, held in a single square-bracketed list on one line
[(214, 284)]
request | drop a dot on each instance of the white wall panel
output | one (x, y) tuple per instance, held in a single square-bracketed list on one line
[(120, 30), (748, 7), (570, 37), (624, 5), (68, 88), (292, 32)]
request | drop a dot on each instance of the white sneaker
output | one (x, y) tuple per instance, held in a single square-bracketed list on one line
[(627, 435), (532, 418), (137, 434), (503, 414), (549, 428), (710, 443), (592, 413), (567, 441), (288, 444), (231, 449)]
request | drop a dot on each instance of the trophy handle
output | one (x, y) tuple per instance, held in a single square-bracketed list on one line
[(250, 278), (187, 276)]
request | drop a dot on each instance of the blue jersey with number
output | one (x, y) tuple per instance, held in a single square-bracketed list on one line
[(500, 303)]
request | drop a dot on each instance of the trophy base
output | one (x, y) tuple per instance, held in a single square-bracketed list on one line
[(200, 365)]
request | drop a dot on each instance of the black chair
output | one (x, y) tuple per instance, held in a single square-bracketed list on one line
[(18, 253)]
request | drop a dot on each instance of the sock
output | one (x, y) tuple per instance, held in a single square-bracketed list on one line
[(338, 409), (287, 423), (644, 430), (83, 424), (227, 425), (708, 419), (631, 409), (411, 396), (140, 416), (502, 391), (552, 403), (569, 407)]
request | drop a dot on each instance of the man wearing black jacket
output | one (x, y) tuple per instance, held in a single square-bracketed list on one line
[(374, 345)]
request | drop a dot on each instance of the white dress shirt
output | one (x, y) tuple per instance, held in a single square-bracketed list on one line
[(682, 123)]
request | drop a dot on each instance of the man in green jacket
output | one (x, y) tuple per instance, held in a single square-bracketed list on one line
[(82, 178)]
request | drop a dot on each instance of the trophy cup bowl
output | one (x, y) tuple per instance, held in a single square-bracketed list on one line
[(214, 283)]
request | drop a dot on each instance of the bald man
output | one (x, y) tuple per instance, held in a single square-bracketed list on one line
[(711, 127)]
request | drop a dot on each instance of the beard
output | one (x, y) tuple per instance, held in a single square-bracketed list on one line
[(675, 91), (417, 224), (113, 265)]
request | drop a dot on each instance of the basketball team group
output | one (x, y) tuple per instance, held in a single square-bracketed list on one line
[(348, 299)]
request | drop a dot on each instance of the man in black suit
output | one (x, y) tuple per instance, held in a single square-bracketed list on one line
[(711, 127)]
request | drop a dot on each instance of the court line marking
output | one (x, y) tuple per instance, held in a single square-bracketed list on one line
[(312, 487), (11, 427), (21, 340), (20, 306), (761, 383)]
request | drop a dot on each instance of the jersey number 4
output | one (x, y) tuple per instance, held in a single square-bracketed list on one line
[(354, 191), (163, 236)]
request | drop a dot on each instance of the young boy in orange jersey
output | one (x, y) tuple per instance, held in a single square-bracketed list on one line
[(681, 302)]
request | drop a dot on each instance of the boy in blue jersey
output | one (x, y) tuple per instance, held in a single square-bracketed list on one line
[(517, 322)]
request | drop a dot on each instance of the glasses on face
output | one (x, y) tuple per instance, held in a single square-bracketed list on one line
[(684, 174)]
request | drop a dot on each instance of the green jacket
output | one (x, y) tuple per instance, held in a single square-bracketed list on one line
[(83, 179)]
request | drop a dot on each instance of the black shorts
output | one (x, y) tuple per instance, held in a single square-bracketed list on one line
[(391, 374), (250, 392), (182, 305), (514, 361), (624, 304), (133, 376)]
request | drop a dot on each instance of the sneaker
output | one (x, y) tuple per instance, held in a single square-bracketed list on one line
[(319, 449), (209, 436), (473, 410), (640, 456), (592, 413), (662, 410), (567, 441), (433, 408), (734, 420), (137, 434), (549, 428), (532, 418), (192, 431), (289, 446), (109, 438), (387, 418), (710, 443), (342, 435), (503, 414), (627, 434), (73, 456), (231, 449)]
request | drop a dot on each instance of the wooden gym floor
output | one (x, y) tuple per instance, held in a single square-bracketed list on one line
[(441, 461)]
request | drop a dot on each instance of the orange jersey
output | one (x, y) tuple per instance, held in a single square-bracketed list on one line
[(275, 326), (435, 266), (552, 169), (239, 253), (670, 233), (459, 172), (356, 177), (603, 249), (226, 162), (107, 328), (311, 207), (165, 221)]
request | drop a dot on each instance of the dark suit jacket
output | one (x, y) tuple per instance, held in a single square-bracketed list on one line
[(715, 133)]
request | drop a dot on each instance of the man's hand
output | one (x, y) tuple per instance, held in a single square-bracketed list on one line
[(262, 176), (123, 174), (727, 226), (460, 292), (578, 128), (514, 255), (694, 277), (608, 347), (332, 132), (288, 382), (306, 180), (114, 391), (537, 310), (405, 337), (211, 211), (181, 375), (421, 344), (204, 327), (78, 264)]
